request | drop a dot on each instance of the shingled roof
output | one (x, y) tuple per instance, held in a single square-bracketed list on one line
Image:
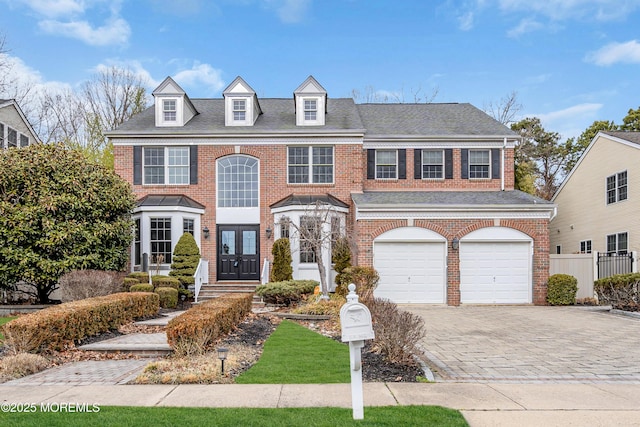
[(627, 136), (426, 199)]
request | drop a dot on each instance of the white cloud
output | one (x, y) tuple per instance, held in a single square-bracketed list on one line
[(628, 52), (569, 122), (201, 74), (600, 10), (114, 32), (525, 26), (56, 8), (465, 21), (289, 11)]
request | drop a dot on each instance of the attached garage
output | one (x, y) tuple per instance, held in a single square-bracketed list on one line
[(411, 262), (495, 267)]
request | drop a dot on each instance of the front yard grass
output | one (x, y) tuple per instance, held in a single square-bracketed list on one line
[(391, 416), (4, 320), (294, 354)]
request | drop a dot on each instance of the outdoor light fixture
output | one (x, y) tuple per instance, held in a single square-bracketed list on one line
[(206, 232), (455, 243), (269, 232), (222, 355)]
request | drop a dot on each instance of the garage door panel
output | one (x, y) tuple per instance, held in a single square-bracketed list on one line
[(410, 272), (495, 272)]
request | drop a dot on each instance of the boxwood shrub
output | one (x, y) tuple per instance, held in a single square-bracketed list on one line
[(168, 297), (141, 287), (160, 281), (562, 289), (622, 291), (287, 292)]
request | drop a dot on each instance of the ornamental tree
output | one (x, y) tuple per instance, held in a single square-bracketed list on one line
[(60, 212)]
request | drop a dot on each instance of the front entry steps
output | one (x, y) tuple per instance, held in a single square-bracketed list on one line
[(214, 290)]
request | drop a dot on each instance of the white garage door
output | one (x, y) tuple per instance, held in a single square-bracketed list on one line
[(495, 272), (410, 272)]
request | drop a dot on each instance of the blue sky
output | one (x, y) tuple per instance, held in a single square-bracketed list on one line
[(570, 61)]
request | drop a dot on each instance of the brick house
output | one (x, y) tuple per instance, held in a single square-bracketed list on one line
[(426, 191)]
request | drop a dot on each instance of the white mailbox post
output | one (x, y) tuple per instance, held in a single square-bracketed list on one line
[(355, 320)]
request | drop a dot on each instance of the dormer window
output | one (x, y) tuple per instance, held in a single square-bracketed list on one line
[(239, 110), (169, 110), (310, 109)]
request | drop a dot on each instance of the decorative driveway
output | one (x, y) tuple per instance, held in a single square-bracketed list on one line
[(530, 344)]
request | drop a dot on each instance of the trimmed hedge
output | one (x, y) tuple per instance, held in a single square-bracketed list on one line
[(57, 327), (141, 287), (200, 326), (165, 282), (287, 292), (141, 276), (130, 281), (622, 291), (562, 289), (168, 297)]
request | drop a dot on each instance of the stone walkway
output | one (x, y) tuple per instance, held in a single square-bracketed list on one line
[(530, 344)]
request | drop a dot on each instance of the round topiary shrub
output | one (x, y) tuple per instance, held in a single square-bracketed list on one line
[(165, 282), (141, 287), (562, 289), (168, 297), (186, 257)]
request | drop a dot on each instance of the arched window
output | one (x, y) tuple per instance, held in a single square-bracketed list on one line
[(237, 182)]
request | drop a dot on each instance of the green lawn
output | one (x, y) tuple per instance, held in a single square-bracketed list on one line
[(4, 320), (295, 355), (392, 416)]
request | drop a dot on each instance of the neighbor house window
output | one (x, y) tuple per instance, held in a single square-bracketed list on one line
[(308, 229), (585, 247), (617, 244), (166, 165), (479, 163), (386, 164), (2, 136), (617, 187), (239, 110), (24, 140), (136, 243), (187, 225), (169, 110), (310, 109), (432, 164), (558, 249), (310, 165), (160, 240), (238, 182), (12, 137)]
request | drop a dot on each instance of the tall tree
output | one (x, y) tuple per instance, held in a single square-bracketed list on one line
[(578, 146), (60, 212), (506, 109), (632, 120)]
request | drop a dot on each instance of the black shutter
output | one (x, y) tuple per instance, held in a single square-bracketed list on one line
[(464, 164), (402, 164), (137, 165), (417, 163), (495, 163), (448, 163), (371, 164), (193, 164)]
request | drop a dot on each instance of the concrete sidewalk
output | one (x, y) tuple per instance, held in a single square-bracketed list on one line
[(498, 404)]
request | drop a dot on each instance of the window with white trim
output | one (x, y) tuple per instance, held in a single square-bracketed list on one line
[(386, 164), (166, 165), (432, 164), (239, 110), (188, 225), (12, 137), (308, 229), (585, 247), (169, 110), (479, 164), (311, 109), (617, 187), (238, 182), (310, 165), (137, 252), (160, 240), (617, 244)]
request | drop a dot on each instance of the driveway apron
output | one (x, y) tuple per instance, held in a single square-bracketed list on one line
[(530, 344)]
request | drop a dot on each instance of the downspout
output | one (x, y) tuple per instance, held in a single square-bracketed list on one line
[(504, 146)]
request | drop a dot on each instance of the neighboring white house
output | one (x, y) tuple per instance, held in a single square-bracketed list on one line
[(15, 130)]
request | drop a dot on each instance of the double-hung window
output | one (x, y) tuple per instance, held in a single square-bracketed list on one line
[(585, 247), (479, 164), (617, 244), (239, 110), (169, 110), (12, 137), (161, 240), (310, 231), (166, 165), (187, 225), (310, 165), (432, 164), (617, 187), (311, 109), (386, 164)]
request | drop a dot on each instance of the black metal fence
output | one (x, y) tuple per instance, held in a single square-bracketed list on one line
[(611, 264)]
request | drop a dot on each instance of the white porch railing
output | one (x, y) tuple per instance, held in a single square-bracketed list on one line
[(201, 277), (264, 277)]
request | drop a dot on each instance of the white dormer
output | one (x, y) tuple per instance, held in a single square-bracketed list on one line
[(173, 106), (241, 106), (311, 103)]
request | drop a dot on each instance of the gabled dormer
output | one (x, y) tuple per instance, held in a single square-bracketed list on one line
[(241, 106), (173, 106), (310, 101)]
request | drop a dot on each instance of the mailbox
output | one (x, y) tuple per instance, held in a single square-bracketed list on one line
[(355, 319)]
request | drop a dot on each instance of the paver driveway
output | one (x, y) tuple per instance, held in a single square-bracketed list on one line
[(530, 344)]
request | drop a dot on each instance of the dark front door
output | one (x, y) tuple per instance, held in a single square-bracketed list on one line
[(238, 252)]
